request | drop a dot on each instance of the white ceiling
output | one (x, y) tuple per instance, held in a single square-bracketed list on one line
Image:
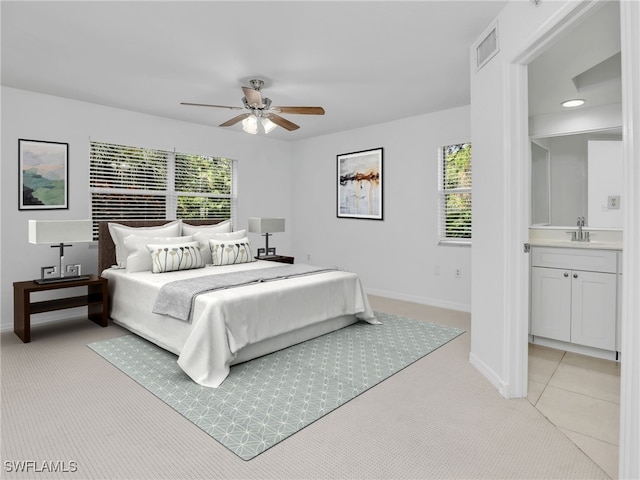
[(365, 62), (591, 42)]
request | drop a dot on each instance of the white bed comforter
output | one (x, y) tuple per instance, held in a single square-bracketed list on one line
[(224, 322)]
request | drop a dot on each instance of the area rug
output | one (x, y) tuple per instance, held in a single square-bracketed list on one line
[(268, 399)]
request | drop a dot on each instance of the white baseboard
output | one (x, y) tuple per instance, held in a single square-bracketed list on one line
[(462, 307), (489, 374)]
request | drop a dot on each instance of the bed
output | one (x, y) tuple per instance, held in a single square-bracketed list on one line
[(230, 325)]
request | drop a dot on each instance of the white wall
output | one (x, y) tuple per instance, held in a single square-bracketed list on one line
[(497, 197), (605, 179), (588, 119), (264, 174), (396, 257)]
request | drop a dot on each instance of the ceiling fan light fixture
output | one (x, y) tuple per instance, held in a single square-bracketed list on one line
[(250, 124), (575, 102), (268, 125), (260, 108)]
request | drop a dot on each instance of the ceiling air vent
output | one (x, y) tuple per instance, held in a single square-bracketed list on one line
[(487, 47)]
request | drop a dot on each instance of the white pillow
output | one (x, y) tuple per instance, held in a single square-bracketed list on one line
[(139, 258), (222, 227), (118, 232), (204, 237), (174, 257), (229, 252)]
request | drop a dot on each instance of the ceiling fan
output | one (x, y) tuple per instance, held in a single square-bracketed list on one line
[(260, 109)]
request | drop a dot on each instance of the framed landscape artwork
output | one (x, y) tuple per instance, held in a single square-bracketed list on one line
[(43, 175), (360, 184)]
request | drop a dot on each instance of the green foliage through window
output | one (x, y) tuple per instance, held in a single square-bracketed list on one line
[(455, 192), (203, 175), (131, 183)]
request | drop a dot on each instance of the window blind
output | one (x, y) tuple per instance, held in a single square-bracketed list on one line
[(454, 205), (132, 183), (203, 186)]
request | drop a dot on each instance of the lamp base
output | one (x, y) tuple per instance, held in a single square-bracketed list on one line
[(263, 252), (270, 251), (43, 281)]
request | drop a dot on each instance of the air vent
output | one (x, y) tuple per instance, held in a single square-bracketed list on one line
[(488, 47)]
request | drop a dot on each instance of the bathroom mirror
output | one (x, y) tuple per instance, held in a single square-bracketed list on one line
[(566, 183), (574, 176)]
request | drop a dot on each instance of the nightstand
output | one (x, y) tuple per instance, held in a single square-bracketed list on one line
[(277, 258), (97, 299)]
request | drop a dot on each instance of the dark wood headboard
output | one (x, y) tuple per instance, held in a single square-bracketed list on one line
[(107, 249)]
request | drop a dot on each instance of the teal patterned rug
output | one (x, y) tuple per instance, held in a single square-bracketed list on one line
[(266, 400)]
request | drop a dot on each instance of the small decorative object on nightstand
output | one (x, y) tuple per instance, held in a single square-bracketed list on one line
[(58, 232), (266, 226)]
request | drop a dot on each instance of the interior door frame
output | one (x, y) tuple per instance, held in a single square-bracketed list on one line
[(518, 213)]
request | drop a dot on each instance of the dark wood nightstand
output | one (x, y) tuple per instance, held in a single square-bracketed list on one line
[(97, 299), (277, 258)]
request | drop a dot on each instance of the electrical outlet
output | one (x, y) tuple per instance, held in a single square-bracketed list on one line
[(308, 257), (458, 273), (613, 202), (436, 270)]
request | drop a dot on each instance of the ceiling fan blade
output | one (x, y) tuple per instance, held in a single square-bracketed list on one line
[(254, 97), (207, 105), (283, 122), (235, 120), (300, 110)]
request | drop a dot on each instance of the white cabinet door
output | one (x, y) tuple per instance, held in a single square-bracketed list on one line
[(593, 316), (551, 303)]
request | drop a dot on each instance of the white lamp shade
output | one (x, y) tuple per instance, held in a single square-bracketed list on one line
[(266, 225), (60, 231), (268, 125), (250, 125)]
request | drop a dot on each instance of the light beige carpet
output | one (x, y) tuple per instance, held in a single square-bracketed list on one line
[(438, 418)]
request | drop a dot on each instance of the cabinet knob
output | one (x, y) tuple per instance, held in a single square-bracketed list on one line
[(575, 275), (566, 274)]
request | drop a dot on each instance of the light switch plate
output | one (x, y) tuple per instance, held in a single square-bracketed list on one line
[(613, 202)]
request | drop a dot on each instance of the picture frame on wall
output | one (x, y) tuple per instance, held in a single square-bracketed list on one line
[(44, 175), (360, 184)]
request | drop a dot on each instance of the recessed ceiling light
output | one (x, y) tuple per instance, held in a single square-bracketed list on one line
[(573, 103)]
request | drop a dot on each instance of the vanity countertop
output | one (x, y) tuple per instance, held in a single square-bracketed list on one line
[(595, 245), (601, 239)]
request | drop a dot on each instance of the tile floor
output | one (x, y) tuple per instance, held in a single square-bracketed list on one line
[(581, 396)]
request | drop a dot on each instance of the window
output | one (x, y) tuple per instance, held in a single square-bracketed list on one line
[(454, 191), (132, 183)]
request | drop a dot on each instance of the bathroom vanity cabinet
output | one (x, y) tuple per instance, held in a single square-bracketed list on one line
[(574, 296)]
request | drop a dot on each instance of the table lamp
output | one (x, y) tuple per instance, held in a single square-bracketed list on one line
[(266, 226), (60, 233)]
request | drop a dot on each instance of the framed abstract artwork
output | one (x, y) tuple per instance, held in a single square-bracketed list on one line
[(360, 183), (44, 182)]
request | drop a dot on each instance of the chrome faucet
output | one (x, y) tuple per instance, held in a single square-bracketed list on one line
[(580, 235)]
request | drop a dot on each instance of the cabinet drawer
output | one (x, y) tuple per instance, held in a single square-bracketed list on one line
[(575, 259)]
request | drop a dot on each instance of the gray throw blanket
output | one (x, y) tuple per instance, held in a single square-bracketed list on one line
[(176, 299)]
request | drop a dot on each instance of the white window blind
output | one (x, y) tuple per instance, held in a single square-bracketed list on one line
[(203, 186), (454, 205), (132, 183)]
